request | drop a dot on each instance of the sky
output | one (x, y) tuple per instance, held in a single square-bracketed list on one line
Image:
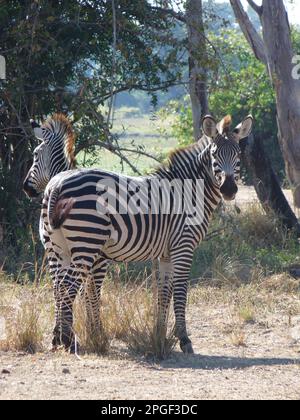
[(293, 9)]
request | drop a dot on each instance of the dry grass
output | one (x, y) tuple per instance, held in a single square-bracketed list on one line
[(260, 228), (247, 314), (282, 283), (238, 338), (92, 341), (129, 310), (128, 313), (27, 312), (131, 316), (233, 271), (145, 334)]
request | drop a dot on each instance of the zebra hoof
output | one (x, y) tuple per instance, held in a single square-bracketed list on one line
[(186, 346), (72, 349), (56, 342)]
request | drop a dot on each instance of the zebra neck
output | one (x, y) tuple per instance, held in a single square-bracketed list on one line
[(212, 192), (62, 164)]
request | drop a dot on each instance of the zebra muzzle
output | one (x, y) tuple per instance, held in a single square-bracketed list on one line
[(29, 190), (229, 189)]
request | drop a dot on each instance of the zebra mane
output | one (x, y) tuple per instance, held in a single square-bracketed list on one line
[(60, 124), (187, 153), (224, 125)]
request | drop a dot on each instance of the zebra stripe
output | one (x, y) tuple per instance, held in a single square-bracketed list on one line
[(80, 240)]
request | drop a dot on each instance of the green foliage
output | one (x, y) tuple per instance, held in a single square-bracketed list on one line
[(250, 241), (182, 120), (238, 85), (243, 87), (60, 57)]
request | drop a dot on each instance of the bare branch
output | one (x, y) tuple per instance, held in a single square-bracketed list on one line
[(167, 84), (249, 31), (139, 152), (114, 62), (109, 145), (255, 7), (113, 149)]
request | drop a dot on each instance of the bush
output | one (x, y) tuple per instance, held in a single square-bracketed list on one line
[(247, 246)]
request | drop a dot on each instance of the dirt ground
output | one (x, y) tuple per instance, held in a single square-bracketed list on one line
[(247, 195), (267, 366)]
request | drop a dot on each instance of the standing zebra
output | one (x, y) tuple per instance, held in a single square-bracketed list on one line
[(82, 232)]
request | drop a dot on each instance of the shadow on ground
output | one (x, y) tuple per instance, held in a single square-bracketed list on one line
[(181, 361)]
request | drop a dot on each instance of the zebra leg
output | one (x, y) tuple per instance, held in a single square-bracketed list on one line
[(56, 271), (56, 338), (165, 289), (93, 294), (67, 283), (182, 261)]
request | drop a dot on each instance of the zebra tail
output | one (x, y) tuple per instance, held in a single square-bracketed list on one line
[(58, 208)]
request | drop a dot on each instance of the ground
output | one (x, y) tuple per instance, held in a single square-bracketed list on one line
[(233, 360)]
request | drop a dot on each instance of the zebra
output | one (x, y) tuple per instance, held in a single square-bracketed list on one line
[(81, 240), (55, 154)]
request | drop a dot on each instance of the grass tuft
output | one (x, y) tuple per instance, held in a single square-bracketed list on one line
[(247, 314), (26, 311), (238, 338), (133, 318)]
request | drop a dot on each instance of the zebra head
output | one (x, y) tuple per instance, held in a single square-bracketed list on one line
[(54, 155), (225, 152)]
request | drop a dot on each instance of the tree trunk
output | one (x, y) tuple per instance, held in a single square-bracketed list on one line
[(275, 51), (266, 183), (197, 61), (276, 34)]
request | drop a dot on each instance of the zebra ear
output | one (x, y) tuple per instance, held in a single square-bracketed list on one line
[(38, 132), (244, 129), (209, 126), (34, 124)]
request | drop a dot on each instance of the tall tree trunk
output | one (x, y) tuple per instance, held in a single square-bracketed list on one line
[(197, 61), (275, 51), (276, 34)]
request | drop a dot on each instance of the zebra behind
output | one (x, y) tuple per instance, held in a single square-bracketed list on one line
[(81, 238)]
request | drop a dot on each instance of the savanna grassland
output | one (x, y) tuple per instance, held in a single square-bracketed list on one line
[(243, 315)]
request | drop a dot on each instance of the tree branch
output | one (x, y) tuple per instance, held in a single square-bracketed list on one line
[(144, 88), (114, 62), (255, 7), (113, 149), (249, 31), (170, 12)]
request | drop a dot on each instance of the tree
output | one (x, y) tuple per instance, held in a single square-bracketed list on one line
[(197, 63), (193, 18), (238, 85), (274, 50), (72, 56)]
